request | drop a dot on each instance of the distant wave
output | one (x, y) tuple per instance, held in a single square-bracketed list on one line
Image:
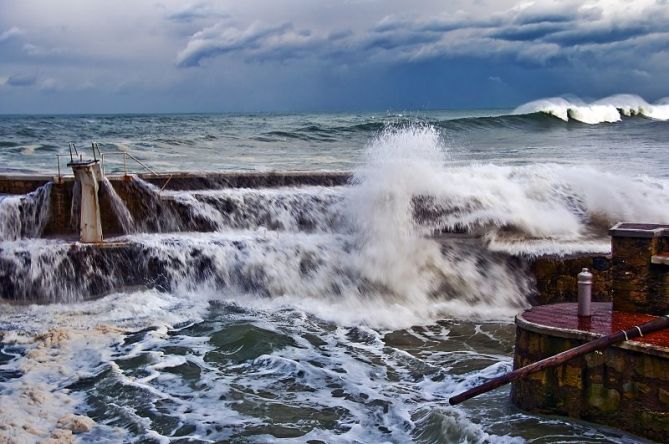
[(608, 110)]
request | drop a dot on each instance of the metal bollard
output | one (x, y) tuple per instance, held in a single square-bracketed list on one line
[(584, 293)]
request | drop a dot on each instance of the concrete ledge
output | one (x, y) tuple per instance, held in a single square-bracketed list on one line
[(269, 179), (626, 229), (24, 184), (660, 259)]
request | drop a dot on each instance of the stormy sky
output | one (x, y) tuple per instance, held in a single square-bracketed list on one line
[(81, 56)]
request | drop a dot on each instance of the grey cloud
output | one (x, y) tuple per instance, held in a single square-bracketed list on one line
[(35, 50), (391, 23), (545, 18), (196, 12), (440, 24), (9, 34), (393, 40), (300, 39), (556, 12), (497, 79), (585, 26), (256, 41), (20, 80), (338, 35), (596, 35), (534, 31)]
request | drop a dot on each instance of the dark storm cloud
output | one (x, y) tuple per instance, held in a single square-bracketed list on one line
[(534, 33), (309, 54), (596, 36)]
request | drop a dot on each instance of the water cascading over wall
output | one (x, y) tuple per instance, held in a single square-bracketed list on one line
[(25, 216)]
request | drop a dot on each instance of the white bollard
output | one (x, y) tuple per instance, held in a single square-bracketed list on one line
[(584, 293)]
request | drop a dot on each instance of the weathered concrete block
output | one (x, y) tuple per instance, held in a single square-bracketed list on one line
[(556, 278), (571, 376), (663, 396), (604, 399), (638, 285)]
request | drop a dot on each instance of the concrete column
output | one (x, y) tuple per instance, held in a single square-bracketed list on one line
[(639, 284), (88, 173)]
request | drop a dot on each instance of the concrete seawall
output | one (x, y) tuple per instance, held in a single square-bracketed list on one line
[(22, 184), (555, 276), (60, 222)]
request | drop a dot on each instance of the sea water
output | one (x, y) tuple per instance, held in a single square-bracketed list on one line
[(312, 314)]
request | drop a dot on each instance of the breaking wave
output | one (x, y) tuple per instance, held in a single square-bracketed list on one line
[(608, 110)]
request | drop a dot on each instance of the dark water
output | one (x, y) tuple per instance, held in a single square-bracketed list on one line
[(329, 141), (308, 314)]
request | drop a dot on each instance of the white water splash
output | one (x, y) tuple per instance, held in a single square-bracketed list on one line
[(551, 202)]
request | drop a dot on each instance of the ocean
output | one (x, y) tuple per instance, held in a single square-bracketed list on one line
[(312, 314)]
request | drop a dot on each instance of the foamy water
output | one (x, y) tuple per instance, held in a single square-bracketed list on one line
[(343, 314)]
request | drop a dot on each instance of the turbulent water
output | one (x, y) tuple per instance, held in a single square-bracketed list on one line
[(309, 314)]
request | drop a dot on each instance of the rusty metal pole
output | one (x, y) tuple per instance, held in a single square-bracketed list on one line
[(559, 359)]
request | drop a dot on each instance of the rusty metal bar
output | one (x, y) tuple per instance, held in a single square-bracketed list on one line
[(555, 360)]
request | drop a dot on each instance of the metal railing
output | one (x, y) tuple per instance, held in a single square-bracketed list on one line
[(126, 155), (73, 153)]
